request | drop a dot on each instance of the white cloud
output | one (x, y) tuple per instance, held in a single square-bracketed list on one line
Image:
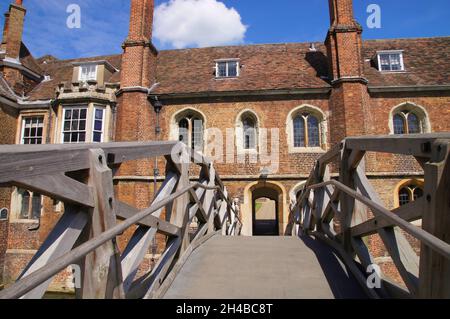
[(198, 23)]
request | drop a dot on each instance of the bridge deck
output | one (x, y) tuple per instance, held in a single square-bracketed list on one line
[(263, 268)]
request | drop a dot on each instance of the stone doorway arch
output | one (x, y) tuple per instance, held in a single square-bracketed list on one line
[(264, 211)]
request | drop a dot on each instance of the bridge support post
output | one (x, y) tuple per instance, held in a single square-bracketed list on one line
[(102, 272), (434, 268)]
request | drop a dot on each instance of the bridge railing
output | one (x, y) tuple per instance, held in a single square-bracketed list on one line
[(81, 176), (342, 211)]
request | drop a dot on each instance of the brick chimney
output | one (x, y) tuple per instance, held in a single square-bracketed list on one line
[(349, 98), (13, 29), (135, 120)]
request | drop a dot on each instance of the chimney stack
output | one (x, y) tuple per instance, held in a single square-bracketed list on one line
[(13, 29), (341, 12)]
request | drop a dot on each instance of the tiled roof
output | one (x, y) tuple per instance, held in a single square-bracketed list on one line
[(5, 90), (28, 61), (270, 67), (426, 62), (263, 67)]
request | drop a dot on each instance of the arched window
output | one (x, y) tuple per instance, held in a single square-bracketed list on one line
[(30, 204), (306, 131), (407, 122), (409, 193), (409, 118), (249, 131), (191, 130)]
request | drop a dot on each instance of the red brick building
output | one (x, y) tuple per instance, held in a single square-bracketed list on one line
[(301, 97)]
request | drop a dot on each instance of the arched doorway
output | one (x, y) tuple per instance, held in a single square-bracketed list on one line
[(265, 209)]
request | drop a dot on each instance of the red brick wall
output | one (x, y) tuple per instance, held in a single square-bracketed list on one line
[(272, 114), (7, 136)]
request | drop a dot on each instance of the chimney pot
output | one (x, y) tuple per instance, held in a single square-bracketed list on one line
[(19, 2)]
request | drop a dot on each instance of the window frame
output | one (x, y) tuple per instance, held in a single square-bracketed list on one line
[(190, 134), (252, 145), (410, 186), (306, 130), (103, 109), (404, 114), (63, 119), (20, 194), (6, 212), (80, 72), (23, 124), (390, 53), (227, 62)]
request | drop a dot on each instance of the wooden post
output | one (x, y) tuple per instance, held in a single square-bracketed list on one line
[(102, 273), (350, 160), (434, 279), (180, 215)]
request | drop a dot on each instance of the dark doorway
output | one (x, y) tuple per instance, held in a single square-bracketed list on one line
[(265, 212)]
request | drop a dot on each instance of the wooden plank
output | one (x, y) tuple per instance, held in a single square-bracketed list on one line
[(23, 161), (143, 237), (223, 210), (209, 200), (125, 211), (330, 155), (60, 187), (25, 285), (60, 241), (402, 254), (410, 212), (198, 211), (347, 202), (181, 217), (415, 145), (431, 241), (152, 282), (321, 198), (331, 208), (101, 269), (435, 267)]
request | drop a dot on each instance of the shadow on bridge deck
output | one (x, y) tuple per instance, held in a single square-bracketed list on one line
[(264, 268)]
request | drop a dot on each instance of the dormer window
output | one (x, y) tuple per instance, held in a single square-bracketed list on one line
[(390, 61), (227, 68), (88, 72)]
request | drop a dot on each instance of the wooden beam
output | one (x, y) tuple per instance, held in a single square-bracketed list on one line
[(125, 211), (18, 289), (402, 254), (435, 267), (59, 186), (415, 145), (410, 212), (60, 241), (23, 161), (147, 285), (143, 236), (101, 269)]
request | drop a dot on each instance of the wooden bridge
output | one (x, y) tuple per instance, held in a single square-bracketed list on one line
[(323, 254)]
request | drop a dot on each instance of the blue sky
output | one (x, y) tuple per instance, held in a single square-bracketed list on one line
[(261, 21)]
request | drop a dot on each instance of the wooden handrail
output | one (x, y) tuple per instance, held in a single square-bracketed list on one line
[(24, 166), (433, 242), (318, 207)]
